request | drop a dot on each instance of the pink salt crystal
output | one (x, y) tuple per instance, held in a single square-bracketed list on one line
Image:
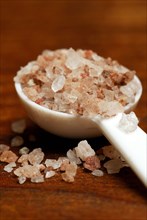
[(28, 171), (128, 122), (97, 172), (9, 167), (58, 83), (55, 164), (4, 147), (71, 154), (109, 109), (24, 150), (84, 150), (23, 159), (113, 166), (70, 172), (37, 179), (21, 179), (19, 126), (8, 156), (64, 162), (50, 174), (36, 156), (17, 141), (92, 163), (110, 152), (67, 178)]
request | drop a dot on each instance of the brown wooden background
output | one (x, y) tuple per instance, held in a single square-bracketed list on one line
[(114, 28)]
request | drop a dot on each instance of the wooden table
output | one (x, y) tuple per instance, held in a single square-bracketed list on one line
[(111, 28)]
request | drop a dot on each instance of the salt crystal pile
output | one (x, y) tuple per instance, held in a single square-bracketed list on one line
[(17, 141), (19, 126), (128, 122), (77, 82)]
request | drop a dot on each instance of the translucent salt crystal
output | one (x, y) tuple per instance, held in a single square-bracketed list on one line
[(23, 159), (64, 162), (128, 122), (84, 150), (58, 83), (41, 167), (4, 147), (37, 179), (24, 150), (17, 141), (50, 174), (70, 172), (36, 156), (21, 179), (111, 152), (97, 172), (92, 163), (55, 164), (113, 166), (28, 171), (101, 157), (8, 156), (110, 108), (71, 154), (19, 126), (73, 59), (9, 167)]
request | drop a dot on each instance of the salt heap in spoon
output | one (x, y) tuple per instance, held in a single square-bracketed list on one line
[(78, 82)]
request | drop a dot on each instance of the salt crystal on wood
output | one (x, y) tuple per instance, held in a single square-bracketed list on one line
[(19, 126), (17, 141), (24, 150), (9, 167), (8, 156), (84, 150), (113, 166), (50, 174), (36, 156), (3, 147), (97, 172), (21, 179)]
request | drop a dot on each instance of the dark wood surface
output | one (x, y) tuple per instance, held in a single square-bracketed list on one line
[(114, 28)]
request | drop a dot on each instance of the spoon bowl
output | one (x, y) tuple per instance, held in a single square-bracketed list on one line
[(64, 124)]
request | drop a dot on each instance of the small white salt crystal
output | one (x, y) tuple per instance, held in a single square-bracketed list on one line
[(21, 179), (17, 141), (97, 172), (50, 174), (71, 154), (36, 156), (84, 150), (58, 83), (4, 147), (113, 166), (9, 167), (73, 59), (55, 164), (37, 179), (24, 150), (19, 126), (128, 122)]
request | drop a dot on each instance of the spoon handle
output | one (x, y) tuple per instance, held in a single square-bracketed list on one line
[(132, 145)]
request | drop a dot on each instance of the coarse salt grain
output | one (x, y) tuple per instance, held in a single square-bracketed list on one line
[(49, 174), (19, 126), (70, 172), (22, 179), (28, 171), (37, 179), (55, 164), (97, 172), (92, 163), (58, 83), (84, 150), (3, 147), (8, 156), (9, 167), (71, 154), (36, 156), (24, 150), (17, 141), (128, 122), (113, 166)]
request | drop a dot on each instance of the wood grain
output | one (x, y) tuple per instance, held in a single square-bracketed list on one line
[(111, 28)]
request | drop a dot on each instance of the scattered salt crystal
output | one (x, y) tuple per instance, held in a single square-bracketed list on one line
[(55, 164), (71, 154), (8, 156), (64, 162), (58, 83), (97, 172), (84, 150), (37, 179), (36, 156), (41, 167), (4, 147), (24, 150), (67, 178), (50, 174), (70, 172), (9, 167), (128, 122), (28, 171), (19, 126), (113, 166), (92, 163), (17, 141), (110, 152), (23, 159), (21, 179), (101, 157)]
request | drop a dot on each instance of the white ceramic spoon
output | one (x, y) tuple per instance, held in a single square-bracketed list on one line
[(131, 145)]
